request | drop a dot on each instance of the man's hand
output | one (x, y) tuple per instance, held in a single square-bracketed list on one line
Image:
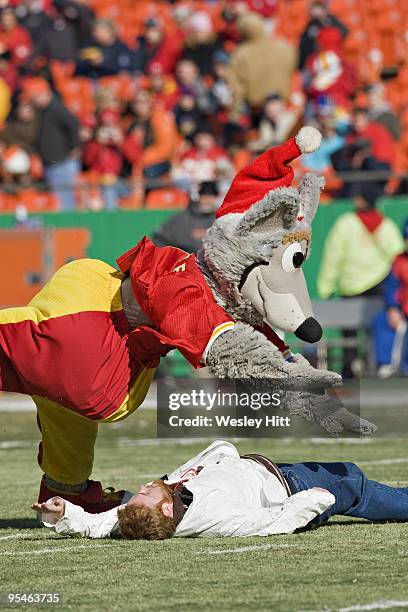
[(320, 489), (52, 510)]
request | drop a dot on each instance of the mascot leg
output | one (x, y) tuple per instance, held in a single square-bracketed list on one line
[(66, 451), (66, 455)]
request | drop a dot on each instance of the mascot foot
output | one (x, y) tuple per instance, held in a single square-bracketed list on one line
[(95, 499)]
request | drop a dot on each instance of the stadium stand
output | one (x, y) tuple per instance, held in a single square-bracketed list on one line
[(189, 55)]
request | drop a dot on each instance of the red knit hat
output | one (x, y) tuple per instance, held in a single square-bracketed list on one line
[(267, 172)]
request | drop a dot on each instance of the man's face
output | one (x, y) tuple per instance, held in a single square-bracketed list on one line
[(142, 105), (8, 20), (149, 495), (359, 203), (41, 99), (204, 141), (361, 121), (103, 34), (186, 72), (318, 11)]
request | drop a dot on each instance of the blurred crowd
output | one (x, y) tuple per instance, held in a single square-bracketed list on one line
[(133, 104)]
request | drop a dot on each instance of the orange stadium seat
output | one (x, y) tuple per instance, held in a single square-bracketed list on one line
[(78, 95), (166, 198), (34, 201)]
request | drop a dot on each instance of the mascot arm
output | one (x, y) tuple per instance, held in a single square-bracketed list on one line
[(327, 410), (242, 353)]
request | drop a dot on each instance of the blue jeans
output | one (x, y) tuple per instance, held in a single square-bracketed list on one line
[(112, 193), (60, 178), (355, 494)]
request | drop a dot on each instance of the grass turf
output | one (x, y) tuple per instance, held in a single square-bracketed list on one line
[(342, 564)]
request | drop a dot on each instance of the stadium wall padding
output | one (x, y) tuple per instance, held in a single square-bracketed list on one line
[(115, 232)]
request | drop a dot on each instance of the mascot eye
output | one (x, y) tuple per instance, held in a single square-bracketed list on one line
[(293, 257)]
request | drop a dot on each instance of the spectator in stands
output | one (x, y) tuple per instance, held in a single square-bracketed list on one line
[(13, 37), (189, 119), (21, 128), (163, 87), (15, 168), (221, 90), (187, 229), (32, 16), (190, 82), (199, 163), (380, 110), (320, 161), (260, 65), (390, 325), (358, 253), (370, 147), (327, 73), (103, 156), (152, 138), (58, 141), (107, 54), (107, 99), (319, 18), (157, 47), (277, 123), (87, 128), (80, 16), (201, 42), (59, 40)]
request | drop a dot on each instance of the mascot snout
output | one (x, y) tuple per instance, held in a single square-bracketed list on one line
[(310, 331)]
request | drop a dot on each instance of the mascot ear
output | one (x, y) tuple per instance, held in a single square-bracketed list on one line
[(276, 211), (309, 192)]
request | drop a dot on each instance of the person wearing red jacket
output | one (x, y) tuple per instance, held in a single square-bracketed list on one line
[(86, 348), (103, 156), (327, 71), (14, 37)]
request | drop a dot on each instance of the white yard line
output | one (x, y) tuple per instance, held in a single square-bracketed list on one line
[(245, 549), (338, 440), (24, 536), (394, 461), (377, 605), (11, 444), (45, 551)]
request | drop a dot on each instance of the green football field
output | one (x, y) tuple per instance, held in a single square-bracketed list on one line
[(345, 565)]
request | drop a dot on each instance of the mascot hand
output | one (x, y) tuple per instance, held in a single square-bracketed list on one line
[(328, 411), (243, 353)]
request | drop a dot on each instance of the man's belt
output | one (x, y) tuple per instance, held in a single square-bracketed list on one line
[(272, 468)]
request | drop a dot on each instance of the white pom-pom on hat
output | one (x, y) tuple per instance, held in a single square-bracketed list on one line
[(308, 139)]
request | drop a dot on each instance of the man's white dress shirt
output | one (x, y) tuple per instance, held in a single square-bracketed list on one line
[(231, 497)]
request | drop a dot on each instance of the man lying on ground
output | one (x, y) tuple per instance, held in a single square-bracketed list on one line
[(220, 493)]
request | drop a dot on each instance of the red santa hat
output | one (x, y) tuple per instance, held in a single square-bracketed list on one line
[(268, 172)]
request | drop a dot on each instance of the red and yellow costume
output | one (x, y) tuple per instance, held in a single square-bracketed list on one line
[(72, 348)]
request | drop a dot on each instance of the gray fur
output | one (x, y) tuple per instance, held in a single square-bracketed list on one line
[(309, 191), (233, 243), (328, 411), (245, 354)]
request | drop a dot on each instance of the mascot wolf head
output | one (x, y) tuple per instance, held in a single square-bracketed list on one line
[(252, 255)]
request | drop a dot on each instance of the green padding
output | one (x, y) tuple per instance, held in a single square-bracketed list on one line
[(115, 232)]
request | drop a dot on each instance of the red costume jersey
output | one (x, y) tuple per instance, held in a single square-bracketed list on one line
[(171, 289), (72, 345)]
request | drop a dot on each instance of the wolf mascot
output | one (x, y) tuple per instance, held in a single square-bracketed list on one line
[(87, 345)]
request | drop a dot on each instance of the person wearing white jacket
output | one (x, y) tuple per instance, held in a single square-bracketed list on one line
[(220, 493)]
